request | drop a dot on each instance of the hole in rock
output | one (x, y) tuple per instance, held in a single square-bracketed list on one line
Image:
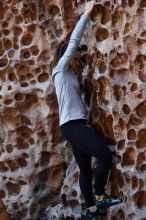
[(116, 17), (140, 60), (88, 87), (31, 141), (64, 199), (17, 31), (7, 44), (143, 168), (12, 77), (73, 203), (22, 162), (127, 28), (15, 45), (134, 87), (9, 148), (119, 60), (121, 75), (96, 12), (54, 10), (2, 194), (21, 144), (13, 188), (25, 120), (33, 81), (131, 134), (45, 157), (135, 121), (4, 32), (141, 109), (118, 178), (25, 84), (27, 39), (34, 50), (114, 190), (120, 215), (141, 142), (74, 193), (143, 4), (5, 25), (129, 157), (3, 167), (26, 54), (102, 67), (43, 77), (122, 123), (1, 51), (109, 126), (29, 12), (140, 160), (143, 34), (21, 182), (11, 53), (84, 47), (126, 109), (121, 144), (142, 76), (140, 198), (9, 87), (105, 15), (12, 165), (3, 62), (24, 131), (131, 3), (117, 92), (139, 96), (134, 182), (19, 97), (8, 101), (102, 34), (30, 75)]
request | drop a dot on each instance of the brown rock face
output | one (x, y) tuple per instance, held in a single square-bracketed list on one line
[(39, 177)]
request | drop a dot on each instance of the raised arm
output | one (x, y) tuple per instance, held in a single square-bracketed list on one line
[(75, 37)]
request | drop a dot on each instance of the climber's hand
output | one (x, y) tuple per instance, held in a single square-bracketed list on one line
[(89, 8)]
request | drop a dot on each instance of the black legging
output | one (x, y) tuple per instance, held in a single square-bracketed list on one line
[(86, 143)]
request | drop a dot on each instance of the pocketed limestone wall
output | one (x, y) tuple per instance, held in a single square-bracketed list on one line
[(39, 177)]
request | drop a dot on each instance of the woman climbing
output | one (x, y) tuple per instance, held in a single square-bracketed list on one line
[(73, 118)]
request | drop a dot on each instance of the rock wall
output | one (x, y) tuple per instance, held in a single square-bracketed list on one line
[(39, 177)]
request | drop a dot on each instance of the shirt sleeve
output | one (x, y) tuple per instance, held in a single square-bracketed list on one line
[(73, 43)]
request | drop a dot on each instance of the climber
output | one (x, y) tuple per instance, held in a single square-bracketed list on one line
[(3, 212), (84, 140)]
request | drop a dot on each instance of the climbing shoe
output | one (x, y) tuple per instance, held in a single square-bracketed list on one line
[(93, 214), (107, 201)]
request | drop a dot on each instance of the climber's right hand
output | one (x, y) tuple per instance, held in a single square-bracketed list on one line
[(89, 8)]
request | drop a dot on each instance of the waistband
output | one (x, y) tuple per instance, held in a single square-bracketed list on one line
[(73, 121)]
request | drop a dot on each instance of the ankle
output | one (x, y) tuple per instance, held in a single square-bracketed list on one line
[(99, 198)]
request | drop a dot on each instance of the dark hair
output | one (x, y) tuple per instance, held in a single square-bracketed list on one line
[(60, 51)]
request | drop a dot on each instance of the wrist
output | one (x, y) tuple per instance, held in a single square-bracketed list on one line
[(86, 14)]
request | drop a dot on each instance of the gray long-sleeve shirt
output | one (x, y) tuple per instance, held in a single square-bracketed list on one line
[(67, 87)]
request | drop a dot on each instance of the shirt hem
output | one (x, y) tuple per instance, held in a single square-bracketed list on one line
[(73, 118)]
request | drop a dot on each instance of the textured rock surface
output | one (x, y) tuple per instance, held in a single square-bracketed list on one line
[(39, 177)]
